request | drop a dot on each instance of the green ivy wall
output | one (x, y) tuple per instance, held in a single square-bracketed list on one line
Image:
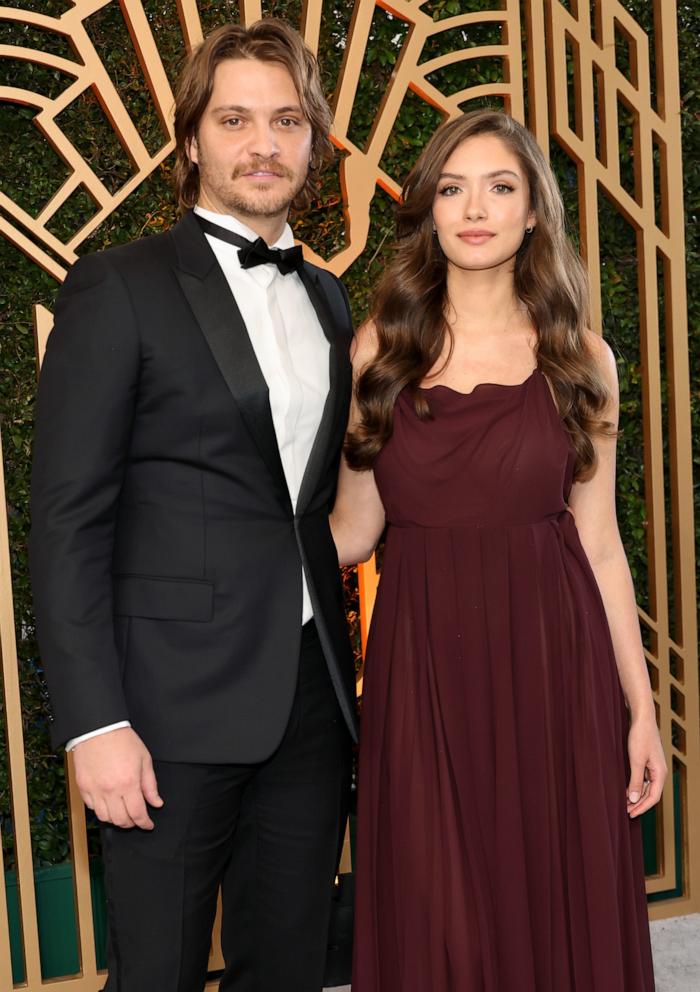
[(30, 172)]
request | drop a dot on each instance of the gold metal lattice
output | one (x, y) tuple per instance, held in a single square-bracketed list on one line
[(574, 97), (589, 132)]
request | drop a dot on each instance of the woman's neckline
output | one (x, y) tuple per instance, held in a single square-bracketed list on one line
[(481, 385)]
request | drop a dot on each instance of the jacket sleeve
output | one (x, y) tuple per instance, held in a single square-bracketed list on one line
[(84, 414)]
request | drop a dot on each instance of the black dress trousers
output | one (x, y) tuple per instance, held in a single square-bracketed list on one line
[(267, 833)]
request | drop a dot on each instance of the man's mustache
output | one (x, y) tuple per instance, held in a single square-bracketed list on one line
[(274, 167)]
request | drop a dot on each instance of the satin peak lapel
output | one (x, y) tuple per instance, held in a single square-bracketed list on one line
[(220, 320), (334, 407)]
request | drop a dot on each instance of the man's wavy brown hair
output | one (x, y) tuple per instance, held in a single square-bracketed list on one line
[(411, 300), (268, 40)]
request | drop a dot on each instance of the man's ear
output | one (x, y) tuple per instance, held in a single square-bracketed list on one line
[(192, 150)]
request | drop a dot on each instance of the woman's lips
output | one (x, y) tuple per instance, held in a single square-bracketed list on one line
[(475, 237)]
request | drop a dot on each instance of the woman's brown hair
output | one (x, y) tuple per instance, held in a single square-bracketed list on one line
[(411, 299), (268, 40)]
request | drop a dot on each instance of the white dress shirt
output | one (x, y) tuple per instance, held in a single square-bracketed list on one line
[(292, 352)]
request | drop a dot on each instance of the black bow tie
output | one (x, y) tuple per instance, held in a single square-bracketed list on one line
[(252, 253)]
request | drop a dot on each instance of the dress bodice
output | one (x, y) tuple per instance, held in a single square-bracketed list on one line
[(498, 454)]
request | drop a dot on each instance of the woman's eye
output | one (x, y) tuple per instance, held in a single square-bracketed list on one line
[(449, 190), (503, 188)]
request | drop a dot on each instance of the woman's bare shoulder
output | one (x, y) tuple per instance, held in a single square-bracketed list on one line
[(602, 355), (606, 366)]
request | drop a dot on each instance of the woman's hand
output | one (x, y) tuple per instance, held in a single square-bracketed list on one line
[(647, 766)]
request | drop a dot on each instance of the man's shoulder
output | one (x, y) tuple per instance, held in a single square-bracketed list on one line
[(325, 275), (140, 267), (333, 286), (151, 250)]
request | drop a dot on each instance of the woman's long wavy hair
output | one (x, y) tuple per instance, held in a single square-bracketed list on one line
[(411, 300)]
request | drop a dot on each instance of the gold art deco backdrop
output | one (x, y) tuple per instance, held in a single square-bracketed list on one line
[(86, 91)]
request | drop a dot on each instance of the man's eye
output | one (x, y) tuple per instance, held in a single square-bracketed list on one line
[(232, 121), (288, 121)]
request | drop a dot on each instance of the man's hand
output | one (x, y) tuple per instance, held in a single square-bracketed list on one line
[(115, 776)]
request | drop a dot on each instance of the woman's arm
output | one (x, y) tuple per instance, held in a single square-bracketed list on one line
[(357, 520), (593, 504)]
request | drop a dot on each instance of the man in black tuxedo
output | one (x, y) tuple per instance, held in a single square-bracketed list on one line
[(191, 411)]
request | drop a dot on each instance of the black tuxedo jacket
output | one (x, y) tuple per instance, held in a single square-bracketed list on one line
[(165, 554)]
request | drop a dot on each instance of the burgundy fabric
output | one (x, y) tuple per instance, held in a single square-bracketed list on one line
[(495, 853)]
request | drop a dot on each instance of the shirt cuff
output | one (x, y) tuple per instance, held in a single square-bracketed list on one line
[(95, 733)]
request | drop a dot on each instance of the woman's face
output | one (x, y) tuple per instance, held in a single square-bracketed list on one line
[(482, 204)]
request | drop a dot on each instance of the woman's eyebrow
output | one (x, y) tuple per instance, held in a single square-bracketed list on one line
[(488, 175)]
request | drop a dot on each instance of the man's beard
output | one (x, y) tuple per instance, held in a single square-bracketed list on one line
[(263, 201)]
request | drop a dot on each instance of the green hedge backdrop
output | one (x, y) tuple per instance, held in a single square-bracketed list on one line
[(30, 172)]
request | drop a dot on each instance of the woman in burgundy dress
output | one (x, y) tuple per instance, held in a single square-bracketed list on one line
[(508, 739)]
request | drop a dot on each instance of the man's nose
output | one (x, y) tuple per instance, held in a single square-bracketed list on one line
[(263, 141)]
